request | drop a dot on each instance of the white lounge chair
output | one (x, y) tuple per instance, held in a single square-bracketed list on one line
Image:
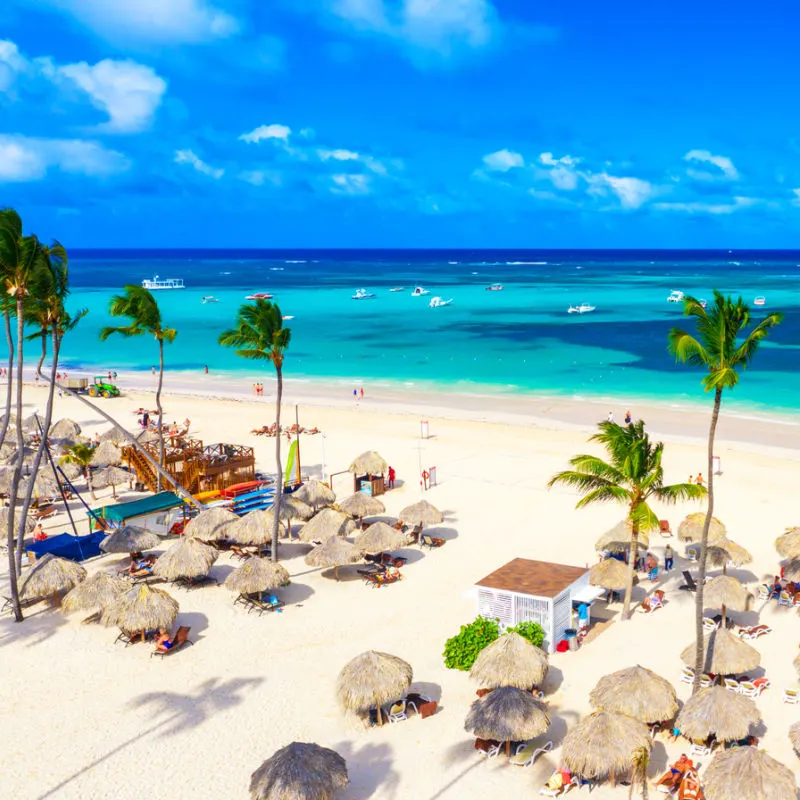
[(528, 753), (763, 592), (753, 688), (754, 632), (705, 681), (732, 685), (791, 696), (709, 625), (687, 675), (699, 750), (397, 712)]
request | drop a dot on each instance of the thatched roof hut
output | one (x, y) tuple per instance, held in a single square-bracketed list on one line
[(794, 737), (723, 654), (316, 494), (747, 772), (64, 429), (691, 529), (43, 483), (722, 551), (638, 692), (791, 570), (618, 539), (360, 505), (611, 574), (106, 454), (334, 553), (49, 576), (726, 591), (299, 771), (255, 528), (788, 543), (604, 744), (294, 508), (129, 539), (115, 435), (510, 660), (369, 463), (257, 575), (324, 524), (30, 523), (421, 513), (142, 608), (508, 714), (187, 558), (212, 524), (97, 592), (380, 537), (717, 711), (372, 679)]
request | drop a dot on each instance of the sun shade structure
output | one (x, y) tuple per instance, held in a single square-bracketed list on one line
[(722, 551), (618, 539), (316, 494), (334, 553), (788, 543), (369, 463), (255, 528), (791, 570), (147, 437), (43, 484), (30, 524), (64, 429), (610, 574), (794, 737), (324, 524), (111, 476), (49, 576), (299, 771), (604, 744), (105, 454), (257, 575), (97, 592), (507, 714), (747, 772), (361, 505), (142, 608), (115, 435), (638, 692), (723, 654), (294, 508), (380, 537), (421, 513), (691, 529), (372, 679), (715, 710), (510, 660), (726, 591), (187, 558), (212, 524), (129, 539)]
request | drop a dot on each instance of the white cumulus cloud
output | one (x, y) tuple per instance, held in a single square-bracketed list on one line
[(796, 193), (350, 184), (503, 160), (632, 192), (281, 132), (12, 62), (722, 163), (738, 204), (189, 157)]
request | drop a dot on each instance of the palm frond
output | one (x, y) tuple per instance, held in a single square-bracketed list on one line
[(680, 492), (605, 494)]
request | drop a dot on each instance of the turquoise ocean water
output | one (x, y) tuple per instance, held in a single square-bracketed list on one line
[(520, 339)]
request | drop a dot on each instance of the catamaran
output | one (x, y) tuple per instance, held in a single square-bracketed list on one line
[(419, 292), (437, 302), (675, 297), (164, 283), (363, 294), (583, 308)]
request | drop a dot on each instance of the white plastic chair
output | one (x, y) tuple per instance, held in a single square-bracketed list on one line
[(732, 685), (528, 753), (397, 713), (791, 696)]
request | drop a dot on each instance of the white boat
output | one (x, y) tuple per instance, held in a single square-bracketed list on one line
[(703, 302), (583, 308), (495, 287), (760, 300), (398, 289), (675, 297), (259, 296), (362, 294), (419, 292), (437, 302), (288, 316), (164, 283), (209, 298)]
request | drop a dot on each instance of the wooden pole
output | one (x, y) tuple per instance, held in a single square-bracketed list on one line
[(297, 434)]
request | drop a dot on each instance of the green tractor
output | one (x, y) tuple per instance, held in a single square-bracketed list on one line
[(102, 387)]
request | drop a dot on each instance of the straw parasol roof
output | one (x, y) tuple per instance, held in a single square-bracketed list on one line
[(510, 660), (28, 456), (71, 471), (129, 539), (257, 575), (294, 508), (43, 483), (618, 539), (361, 505), (110, 476), (369, 463), (115, 435), (796, 663), (142, 608), (50, 575), (726, 591), (421, 513), (788, 543), (380, 537), (98, 591), (715, 710), (691, 529), (255, 528), (299, 771), (794, 737), (30, 523), (724, 654), (64, 429), (791, 570), (638, 692), (106, 453), (187, 558), (31, 423), (747, 772), (723, 550), (334, 552), (610, 574), (508, 714), (147, 437), (324, 524), (212, 524), (372, 679), (316, 494), (604, 744)]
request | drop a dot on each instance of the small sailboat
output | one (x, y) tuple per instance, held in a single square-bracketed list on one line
[(495, 287), (583, 308), (419, 292), (438, 302), (760, 300), (675, 297), (363, 294), (209, 298)]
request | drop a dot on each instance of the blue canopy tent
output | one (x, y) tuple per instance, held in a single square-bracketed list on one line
[(74, 548)]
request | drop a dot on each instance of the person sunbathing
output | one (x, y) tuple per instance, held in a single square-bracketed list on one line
[(672, 778), (690, 787), (559, 779), (163, 641), (143, 567)]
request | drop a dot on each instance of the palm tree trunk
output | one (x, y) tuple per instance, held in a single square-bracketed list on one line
[(44, 352), (160, 410), (634, 554), (701, 574), (276, 509), (89, 484), (10, 370)]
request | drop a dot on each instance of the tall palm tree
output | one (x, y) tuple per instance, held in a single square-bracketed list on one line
[(81, 455), (9, 309), (259, 335), (141, 308), (632, 476), (721, 347)]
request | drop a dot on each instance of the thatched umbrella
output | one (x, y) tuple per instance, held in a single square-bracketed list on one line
[(257, 575), (105, 454), (31, 423), (380, 537), (27, 454), (791, 570), (142, 608), (30, 523), (129, 539), (187, 558), (43, 484), (369, 463), (788, 543), (691, 529), (294, 508), (148, 436), (97, 592), (717, 711), (638, 692), (212, 524), (723, 654), (610, 574), (605, 744), (324, 524), (619, 538), (316, 494), (299, 771), (64, 429), (722, 551), (111, 476), (70, 471), (507, 714), (510, 660), (372, 679), (421, 513), (747, 772), (725, 592), (794, 737), (115, 435), (49, 576), (334, 552), (255, 528), (360, 505)]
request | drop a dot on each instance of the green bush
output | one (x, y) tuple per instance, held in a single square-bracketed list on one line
[(532, 631), (462, 649)]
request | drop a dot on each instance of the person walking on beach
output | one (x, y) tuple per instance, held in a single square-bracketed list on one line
[(700, 480), (362, 392), (669, 558), (610, 416), (153, 370), (355, 393), (205, 369), (391, 475)]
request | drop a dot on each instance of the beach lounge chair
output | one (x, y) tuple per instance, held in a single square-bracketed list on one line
[(663, 528), (430, 541), (754, 688), (731, 685), (791, 696), (709, 625), (690, 787), (754, 632), (705, 681), (397, 713), (488, 747), (527, 753), (239, 552), (700, 749), (181, 639), (687, 675), (689, 585), (785, 599), (554, 788), (693, 553), (763, 592)]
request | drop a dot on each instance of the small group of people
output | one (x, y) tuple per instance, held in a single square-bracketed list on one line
[(792, 588), (358, 393), (61, 376), (258, 389), (682, 778), (699, 480), (647, 562), (628, 417)]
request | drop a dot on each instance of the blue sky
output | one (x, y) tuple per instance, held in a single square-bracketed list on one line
[(401, 123)]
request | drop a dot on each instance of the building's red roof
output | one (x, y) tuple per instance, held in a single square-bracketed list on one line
[(538, 578)]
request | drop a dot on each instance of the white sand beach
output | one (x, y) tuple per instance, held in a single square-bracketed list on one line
[(85, 718)]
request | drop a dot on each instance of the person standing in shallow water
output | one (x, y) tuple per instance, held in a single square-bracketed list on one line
[(628, 418)]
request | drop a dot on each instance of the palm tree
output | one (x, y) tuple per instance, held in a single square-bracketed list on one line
[(81, 455), (632, 475), (721, 347), (259, 335), (141, 308)]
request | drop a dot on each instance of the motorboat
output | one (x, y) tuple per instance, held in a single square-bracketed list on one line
[(419, 292), (259, 296), (583, 308), (363, 294), (398, 289), (495, 287), (209, 298), (703, 302), (155, 283), (287, 316), (760, 300), (675, 297), (437, 302)]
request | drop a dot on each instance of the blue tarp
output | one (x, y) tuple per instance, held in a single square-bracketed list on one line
[(137, 508), (75, 548)]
